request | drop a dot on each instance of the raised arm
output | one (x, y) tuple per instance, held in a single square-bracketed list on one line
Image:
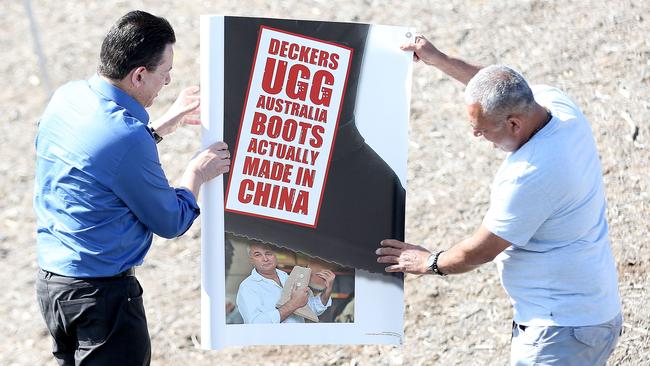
[(430, 55)]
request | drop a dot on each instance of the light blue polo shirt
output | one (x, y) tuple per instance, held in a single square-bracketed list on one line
[(548, 200)]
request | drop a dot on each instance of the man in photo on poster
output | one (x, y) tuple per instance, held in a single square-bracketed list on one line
[(259, 293)]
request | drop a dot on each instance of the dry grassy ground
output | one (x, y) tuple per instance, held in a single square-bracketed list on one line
[(599, 52)]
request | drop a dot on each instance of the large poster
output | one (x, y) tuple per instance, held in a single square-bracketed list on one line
[(315, 115)]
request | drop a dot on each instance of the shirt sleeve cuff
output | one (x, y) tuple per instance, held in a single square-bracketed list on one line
[(274, 316), (493, 226), (189, 198), (317, 306)]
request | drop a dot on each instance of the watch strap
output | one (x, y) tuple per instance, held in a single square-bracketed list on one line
[(434, 264), (155, 135)]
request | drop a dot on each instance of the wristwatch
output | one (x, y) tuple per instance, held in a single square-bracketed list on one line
[(156, 136), (432, 263)]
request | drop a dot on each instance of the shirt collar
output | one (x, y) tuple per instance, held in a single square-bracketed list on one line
[(256, 276), (119, 96)]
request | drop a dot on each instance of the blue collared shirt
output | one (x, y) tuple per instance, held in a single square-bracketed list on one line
[(100, 190)]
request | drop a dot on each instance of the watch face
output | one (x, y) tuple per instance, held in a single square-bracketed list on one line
[(432, 257)]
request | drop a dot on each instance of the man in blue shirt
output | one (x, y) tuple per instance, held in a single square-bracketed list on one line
[(100, 194)]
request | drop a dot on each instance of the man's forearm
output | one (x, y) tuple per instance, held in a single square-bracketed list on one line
[(425, 50), (458, 259), (472, 252), (456, 68), (325, 296), (286, 310), (192, 181)]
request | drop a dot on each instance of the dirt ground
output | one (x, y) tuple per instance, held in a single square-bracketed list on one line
[(597, 51)]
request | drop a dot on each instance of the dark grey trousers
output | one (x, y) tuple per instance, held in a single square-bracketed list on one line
[(95, 321)]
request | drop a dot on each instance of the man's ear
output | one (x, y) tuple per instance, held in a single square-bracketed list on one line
[(135, 76), (514, 124)]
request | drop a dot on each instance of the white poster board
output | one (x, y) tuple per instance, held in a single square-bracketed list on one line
[(381, 112)]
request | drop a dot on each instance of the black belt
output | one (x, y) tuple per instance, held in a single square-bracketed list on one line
[(126, 273), (520, 326)]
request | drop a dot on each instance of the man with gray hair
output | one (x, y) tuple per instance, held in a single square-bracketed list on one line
[(545, 228), (259, 293)]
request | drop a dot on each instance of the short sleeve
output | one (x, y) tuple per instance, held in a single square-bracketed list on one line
[(518, 207)]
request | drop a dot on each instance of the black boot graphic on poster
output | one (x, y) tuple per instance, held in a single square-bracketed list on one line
[(363, 201)]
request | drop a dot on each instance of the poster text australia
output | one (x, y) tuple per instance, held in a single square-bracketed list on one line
[(288, 127)]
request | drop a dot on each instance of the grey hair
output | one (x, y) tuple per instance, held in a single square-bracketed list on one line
[(500, 91), (261, 245)]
